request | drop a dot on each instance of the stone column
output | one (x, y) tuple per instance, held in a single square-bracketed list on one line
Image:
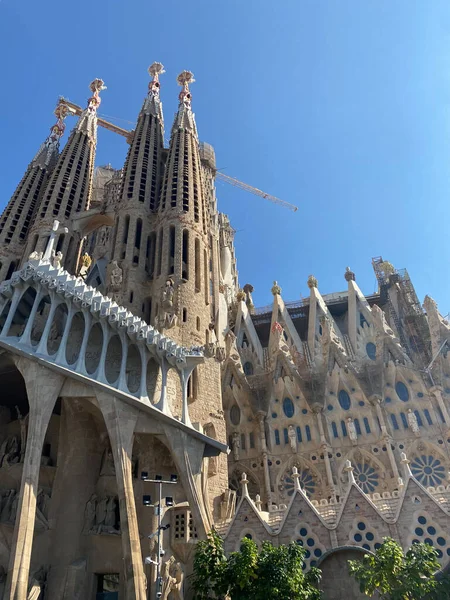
[(436, 390), (262, 438), (120, 420), (43, 387)]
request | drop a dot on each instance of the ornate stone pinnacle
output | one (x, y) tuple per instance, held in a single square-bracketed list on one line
[(276, 290), (184, 79), (96, 86), (349, 275), (312, 282), (155, 70)]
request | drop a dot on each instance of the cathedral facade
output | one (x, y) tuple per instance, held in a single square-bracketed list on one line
[(129, 354)]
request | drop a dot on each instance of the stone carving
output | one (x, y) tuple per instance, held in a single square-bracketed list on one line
[(172, 577), (36, 585), (412, 422), (10, 451), (276, 290), (100, 515), (107, 466), (352, 431), (312, 282), (248, 289), (236, 445), (240, 296), (57, 259), (349, 275), (292, 438), (23, 421), (166, 317), (114, 279), (36, 255), (86, 262)]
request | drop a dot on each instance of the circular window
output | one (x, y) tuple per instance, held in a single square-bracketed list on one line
[(344, 399), (288, 407), (235, 415), (402, 391), (371, 350)]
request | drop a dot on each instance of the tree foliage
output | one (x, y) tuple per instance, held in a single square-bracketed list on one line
[(273, 573), (397, 575)]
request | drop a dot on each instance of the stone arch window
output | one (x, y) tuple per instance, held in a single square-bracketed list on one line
[(137, 241), (288, 408), (277, 436), (244, 342), (248, 368), (366, 424), (185, 255), (60, 244), (198, 323), (308, 481), (11, 269), (299, 434), (427, 415), (235, 415), (184, 315), (147, 310), (160, 251), (402, 391), (426, 530), (235, 483), (344, 428), (344, 399), (308, 432), (151, 254), (419, 418), (357, 426), (314, 550), (334, 429), (394, 421), (192, 386)]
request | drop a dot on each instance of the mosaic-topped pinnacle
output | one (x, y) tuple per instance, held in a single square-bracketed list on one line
[(155, 70), (185, 78)]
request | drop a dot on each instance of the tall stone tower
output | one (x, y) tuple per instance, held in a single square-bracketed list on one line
[(69, 187), (133, 239), (19, 213)]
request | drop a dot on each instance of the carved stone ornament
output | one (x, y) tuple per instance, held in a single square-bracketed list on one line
[(312, 282), (349, 275), (276, 290)]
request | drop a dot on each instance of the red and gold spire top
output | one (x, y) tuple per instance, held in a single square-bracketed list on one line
[(184, 79), (49, 149), (94, 101), (155, 70), (88, 120)]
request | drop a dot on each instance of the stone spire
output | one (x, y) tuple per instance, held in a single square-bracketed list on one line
[(134, 238), (16, 218), (69, 187)]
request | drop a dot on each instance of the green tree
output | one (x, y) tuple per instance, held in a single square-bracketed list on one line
[(273, 573), (397, 575)]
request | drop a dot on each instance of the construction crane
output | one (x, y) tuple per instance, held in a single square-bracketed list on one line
[(128, 135)]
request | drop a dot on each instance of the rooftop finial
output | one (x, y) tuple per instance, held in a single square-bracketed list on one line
[(94, 101), (61, 112), (349, 275), (155, 70), (184, 79)]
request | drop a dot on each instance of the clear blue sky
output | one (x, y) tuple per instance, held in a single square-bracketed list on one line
[(340, 107)]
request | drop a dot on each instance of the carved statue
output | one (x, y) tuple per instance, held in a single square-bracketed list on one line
[(23, 433), (100, 513), (352, 431), (43, 502), (86, 262), (115, 277), (412, 422), (56, 259), (236, 445), (12, 451), (36, 255), (248, 289), (110, 520), (107, 467), (172, 577), (166, 317), (276, 290), (292, 438), (89, 514)]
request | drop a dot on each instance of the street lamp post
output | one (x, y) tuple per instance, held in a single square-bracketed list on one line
[(147, 501)]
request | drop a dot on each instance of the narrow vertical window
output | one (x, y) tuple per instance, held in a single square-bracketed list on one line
[(419, 418), (428, 416), (137, 241), (243, 441), (151, 255), (394, 421), (286, 435), (252, 439), (344, 428), (171, 250), (334, 428), (185, 255), (404, 420), (184, 315), (197, 265), (441, 415), (299, 435), (308, 432), (277, 437), (198, 323), (366, 424), (160, 250), (357, 426), (205, 275)]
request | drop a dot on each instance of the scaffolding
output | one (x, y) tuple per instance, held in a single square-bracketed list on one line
[(409, 318)]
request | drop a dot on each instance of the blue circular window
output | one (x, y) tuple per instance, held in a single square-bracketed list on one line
[(402, 391), (371, 350), (344, 399), (288, 407)]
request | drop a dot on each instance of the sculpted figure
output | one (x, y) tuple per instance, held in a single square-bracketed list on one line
[(236, 445), (352, 431), (12, 455), (172, 576), (35, 255), (412, 422), (166, 317), (89, 514), (57, 259), (107, 467), (116, 276), (292, 438), (100, 513), (110, 520)]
